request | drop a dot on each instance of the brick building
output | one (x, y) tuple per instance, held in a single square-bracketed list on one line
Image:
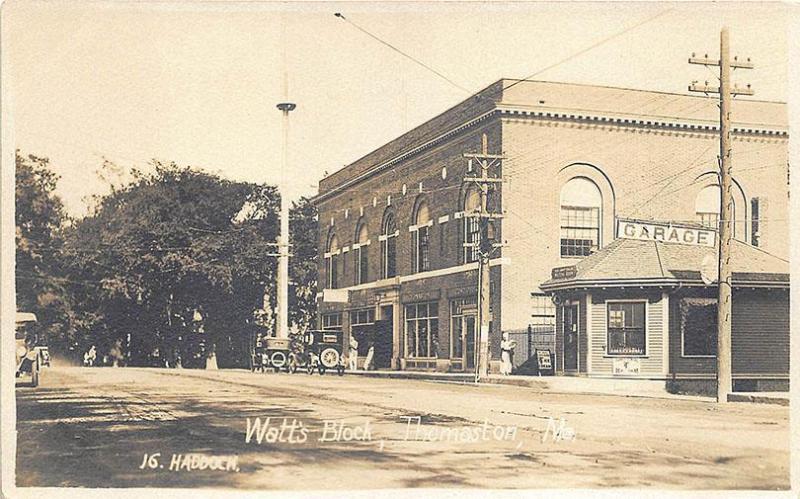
[(393, 267)]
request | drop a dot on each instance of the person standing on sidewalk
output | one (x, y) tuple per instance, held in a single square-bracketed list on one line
[(507, 347), (352, 356)]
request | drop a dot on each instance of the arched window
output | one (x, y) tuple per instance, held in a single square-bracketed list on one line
[(422, 238), (707, 207), (581, 213), (331, 262), (472, 226), (389, 246), (360, 252)]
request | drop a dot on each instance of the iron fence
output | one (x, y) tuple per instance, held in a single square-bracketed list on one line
[(528, 341)]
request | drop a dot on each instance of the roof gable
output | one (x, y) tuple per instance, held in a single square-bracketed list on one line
[(648, 262)]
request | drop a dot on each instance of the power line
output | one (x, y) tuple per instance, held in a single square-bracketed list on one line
[(590, 47), (401, 52), (691, 166)]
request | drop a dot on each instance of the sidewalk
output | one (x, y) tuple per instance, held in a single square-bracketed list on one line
[(550, 384)]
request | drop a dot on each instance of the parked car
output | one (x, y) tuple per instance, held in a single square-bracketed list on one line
[(321, 350), (28, 358)]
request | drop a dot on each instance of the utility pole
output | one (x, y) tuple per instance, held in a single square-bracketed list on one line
[(486, 246), (726, 93)]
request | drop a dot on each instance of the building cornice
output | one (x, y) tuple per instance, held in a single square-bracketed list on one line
[(635, 120), (578, 116), (405, 155)]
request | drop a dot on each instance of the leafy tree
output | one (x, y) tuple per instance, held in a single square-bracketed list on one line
[(178, 251), (39, 218), (303, 229)]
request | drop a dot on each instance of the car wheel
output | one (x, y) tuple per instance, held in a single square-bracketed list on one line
[(321, 369), (278, 360), (329, 358), (340, 370)]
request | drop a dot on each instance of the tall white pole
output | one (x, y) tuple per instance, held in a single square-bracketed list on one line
[(283, 237)]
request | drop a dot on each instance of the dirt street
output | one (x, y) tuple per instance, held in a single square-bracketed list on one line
[(131, 427)]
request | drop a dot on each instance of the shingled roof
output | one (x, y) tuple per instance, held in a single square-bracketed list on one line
[(627, 262)]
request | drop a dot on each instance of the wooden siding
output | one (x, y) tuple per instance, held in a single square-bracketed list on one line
[(559, 353), (582, 335), (760, 337), (760, 332), (652, 363)]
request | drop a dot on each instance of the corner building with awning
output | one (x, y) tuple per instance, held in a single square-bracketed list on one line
[(647, 309)]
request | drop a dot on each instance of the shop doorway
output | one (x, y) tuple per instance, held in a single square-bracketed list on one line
[(571, 337), (384, 330), (463, 315), (469, 342)]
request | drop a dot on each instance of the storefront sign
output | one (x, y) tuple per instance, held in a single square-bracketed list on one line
[(544, 360), (567, 272), (627, 366), (666, 233)]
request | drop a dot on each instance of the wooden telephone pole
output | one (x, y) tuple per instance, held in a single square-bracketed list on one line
[(486, 246), (726, 93)]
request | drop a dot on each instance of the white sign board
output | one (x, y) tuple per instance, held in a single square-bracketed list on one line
[(666, 233), (627, 366), (334, 295)]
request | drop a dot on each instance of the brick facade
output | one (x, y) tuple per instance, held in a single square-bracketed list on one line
[(649, 155)]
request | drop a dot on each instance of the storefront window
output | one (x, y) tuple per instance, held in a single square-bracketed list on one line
[(699, 327), (362, 317), (626, 328), (332, 321), (422, 326), (361, 326)]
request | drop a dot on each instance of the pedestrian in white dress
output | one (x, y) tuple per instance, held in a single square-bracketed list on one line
[(352, 357), (507, 347)]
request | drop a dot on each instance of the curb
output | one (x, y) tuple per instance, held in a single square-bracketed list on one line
[(757, 399)]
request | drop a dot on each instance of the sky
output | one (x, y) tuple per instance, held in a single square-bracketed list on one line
[(197, 83)]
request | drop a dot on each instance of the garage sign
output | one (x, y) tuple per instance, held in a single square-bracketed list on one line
[(666, 233)]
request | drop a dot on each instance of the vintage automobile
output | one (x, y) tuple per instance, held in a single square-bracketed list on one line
[(27, 355), (277, 350), (302, 355), (320, 350)]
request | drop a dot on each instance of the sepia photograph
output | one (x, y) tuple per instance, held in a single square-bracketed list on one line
[(410, 248)]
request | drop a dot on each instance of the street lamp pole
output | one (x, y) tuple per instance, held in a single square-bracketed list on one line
[(283, 237)]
